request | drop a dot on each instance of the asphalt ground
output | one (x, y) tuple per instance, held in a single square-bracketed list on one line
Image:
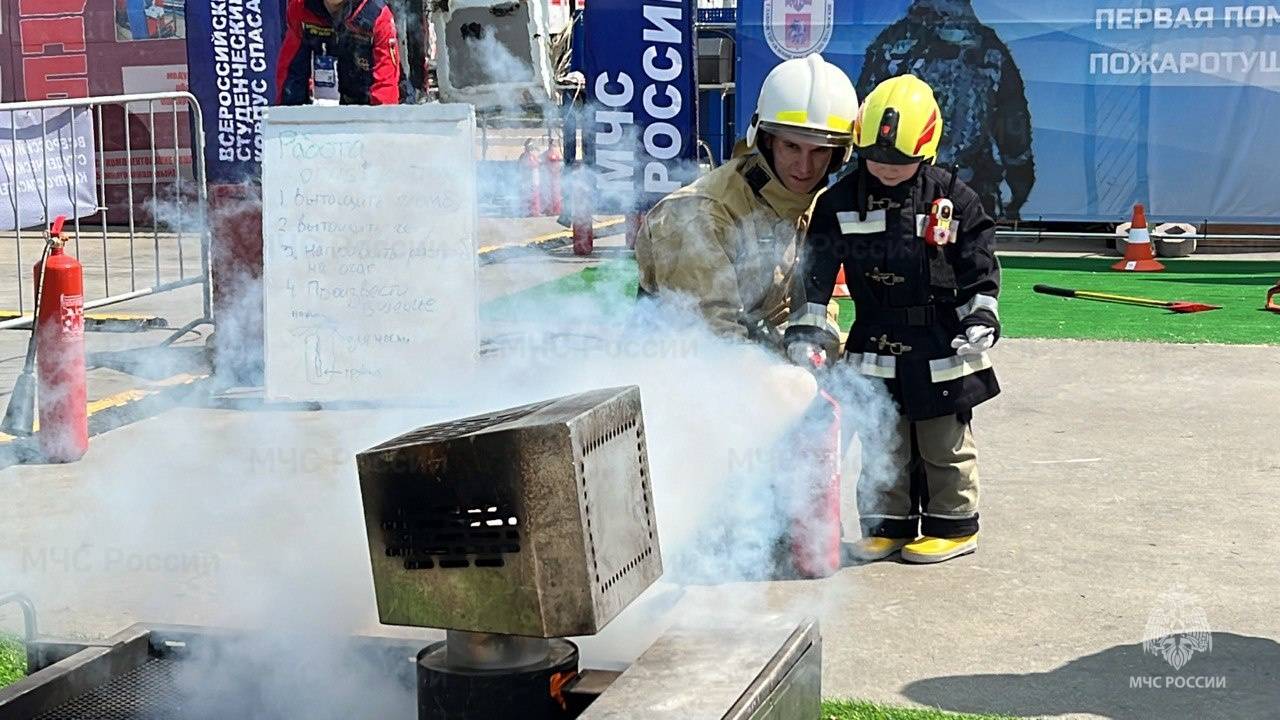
[(1127, 493)]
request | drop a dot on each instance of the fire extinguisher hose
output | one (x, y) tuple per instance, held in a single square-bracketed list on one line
[(19, 416)]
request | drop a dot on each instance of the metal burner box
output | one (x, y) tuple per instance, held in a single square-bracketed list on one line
[(535, 521)]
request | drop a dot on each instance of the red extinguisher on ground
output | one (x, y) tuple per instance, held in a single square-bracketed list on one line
[(815, 529), (634, 220), (552, 163), (60, 365), (530, 171), (583, 211)]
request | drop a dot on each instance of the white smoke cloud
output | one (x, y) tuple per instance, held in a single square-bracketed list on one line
[(279, 542)]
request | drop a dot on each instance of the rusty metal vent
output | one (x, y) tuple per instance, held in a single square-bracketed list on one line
[(438, 515), (147, 692), (465, 426), (453, 537)]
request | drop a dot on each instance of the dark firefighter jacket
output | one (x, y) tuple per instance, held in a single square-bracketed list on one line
[(911, 299), (363, 42)]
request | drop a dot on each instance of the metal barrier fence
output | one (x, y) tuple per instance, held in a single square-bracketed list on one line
[(139, 236)]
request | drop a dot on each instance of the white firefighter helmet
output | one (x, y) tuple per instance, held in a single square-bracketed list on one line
[(807, 99)]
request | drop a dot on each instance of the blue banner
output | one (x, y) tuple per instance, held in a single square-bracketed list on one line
[(232, 47), (641, 79), (1063, 109)]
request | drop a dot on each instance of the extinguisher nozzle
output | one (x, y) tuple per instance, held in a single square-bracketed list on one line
[(19, 416)]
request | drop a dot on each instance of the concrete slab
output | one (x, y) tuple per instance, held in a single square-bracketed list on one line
[(1126, 487)]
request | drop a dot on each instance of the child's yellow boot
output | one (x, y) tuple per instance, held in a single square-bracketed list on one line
[(935, 550)]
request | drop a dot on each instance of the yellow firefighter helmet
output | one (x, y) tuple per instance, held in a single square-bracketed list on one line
[(899, 123)]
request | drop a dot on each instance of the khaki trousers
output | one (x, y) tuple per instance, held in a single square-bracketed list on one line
[(924, 483)]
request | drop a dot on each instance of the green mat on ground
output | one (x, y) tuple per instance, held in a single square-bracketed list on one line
[(13, 660), (1239, 286), (859, 710)]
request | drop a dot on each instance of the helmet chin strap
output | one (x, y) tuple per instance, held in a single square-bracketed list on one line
[(764, 145)]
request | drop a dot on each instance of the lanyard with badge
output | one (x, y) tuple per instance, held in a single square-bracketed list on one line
[(938, 230), (324, 73)]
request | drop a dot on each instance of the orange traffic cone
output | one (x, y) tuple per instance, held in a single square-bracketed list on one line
[(1138, 256), (842, 287)]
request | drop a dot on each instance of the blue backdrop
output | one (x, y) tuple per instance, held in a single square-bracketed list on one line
[(640, 74), (1172, 107), (232, 48)]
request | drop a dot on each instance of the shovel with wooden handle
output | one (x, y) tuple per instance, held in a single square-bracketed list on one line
[(1177, 306)]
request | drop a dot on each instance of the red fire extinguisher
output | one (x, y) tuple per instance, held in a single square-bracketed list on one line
[(552, 161), (815, 528), (583, 211), (633, 220), (60, 371), (530, 170)]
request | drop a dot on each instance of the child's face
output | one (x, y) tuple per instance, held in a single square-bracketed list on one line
[(892, 175)]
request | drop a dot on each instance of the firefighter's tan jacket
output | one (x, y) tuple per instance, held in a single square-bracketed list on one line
[(728, 241)]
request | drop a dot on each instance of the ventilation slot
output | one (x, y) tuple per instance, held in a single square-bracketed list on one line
[(596, 443), (453, 537), (466, 426), (618, 576)]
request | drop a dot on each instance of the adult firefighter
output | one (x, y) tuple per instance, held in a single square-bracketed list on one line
[(925, 293), (358, 36), (984, 105), (729, 239)]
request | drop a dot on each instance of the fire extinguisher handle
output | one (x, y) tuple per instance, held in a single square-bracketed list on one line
[(56, 228)]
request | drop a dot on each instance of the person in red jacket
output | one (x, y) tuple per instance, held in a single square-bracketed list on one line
[(359, 36)]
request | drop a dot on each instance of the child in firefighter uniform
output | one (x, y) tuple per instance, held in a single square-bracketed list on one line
[(917, 249)]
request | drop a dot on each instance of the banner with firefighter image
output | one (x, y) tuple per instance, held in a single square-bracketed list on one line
[(1063, 109)]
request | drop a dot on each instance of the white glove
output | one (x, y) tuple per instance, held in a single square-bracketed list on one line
[(975, 340), (807, 354)]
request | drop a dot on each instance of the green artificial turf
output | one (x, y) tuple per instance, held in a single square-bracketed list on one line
[(856, 710), (608, 288), (13, 660), (1239, 286)]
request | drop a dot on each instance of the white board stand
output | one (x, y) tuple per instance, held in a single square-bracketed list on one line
[(369, 252)]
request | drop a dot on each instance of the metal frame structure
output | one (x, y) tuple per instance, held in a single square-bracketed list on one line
[(771, 670), (158, 284)]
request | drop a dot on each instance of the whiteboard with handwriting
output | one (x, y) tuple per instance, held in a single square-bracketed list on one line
[(369, 251)]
